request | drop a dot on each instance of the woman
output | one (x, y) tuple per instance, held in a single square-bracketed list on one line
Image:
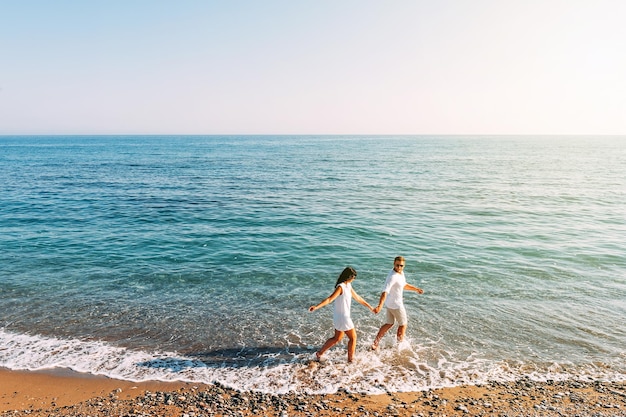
[(342, 321)]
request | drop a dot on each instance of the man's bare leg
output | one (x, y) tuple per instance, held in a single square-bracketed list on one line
[(401, 333), (380, 335)]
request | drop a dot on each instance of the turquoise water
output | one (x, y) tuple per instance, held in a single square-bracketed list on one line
[(196, 257)]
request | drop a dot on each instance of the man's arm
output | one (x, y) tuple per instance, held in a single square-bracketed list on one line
[(410, 287), (383, 297)]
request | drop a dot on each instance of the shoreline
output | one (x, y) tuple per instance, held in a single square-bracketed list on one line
[(67, 393)]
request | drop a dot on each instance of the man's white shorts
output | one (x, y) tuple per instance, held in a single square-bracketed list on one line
[(397, 314)]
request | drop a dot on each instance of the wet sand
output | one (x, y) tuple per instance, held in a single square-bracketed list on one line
[(65, 393)]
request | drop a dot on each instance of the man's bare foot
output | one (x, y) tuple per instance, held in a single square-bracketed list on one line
[(318, 356), (375, 345)]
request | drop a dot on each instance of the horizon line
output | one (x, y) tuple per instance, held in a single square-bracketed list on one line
[(312, 134)]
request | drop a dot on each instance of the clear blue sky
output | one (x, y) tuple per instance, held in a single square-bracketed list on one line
[(313, 67)]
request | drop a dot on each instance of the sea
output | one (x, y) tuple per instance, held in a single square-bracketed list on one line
[(196, 258)]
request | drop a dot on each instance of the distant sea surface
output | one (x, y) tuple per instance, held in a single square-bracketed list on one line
[(195, 258)]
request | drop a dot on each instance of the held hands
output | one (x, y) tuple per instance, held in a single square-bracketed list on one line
[(372, 309)]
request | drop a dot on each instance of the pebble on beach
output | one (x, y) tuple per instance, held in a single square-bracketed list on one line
[(521, 398)]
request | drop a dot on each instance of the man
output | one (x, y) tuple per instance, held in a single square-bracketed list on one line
[(391, 297)]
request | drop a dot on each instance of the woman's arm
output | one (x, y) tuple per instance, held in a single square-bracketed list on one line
[(360, 300), (328, 300)]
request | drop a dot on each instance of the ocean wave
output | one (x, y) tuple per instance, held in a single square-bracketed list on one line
[(401, 368)]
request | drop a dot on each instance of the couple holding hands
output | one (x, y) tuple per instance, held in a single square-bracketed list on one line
[(391, 298)]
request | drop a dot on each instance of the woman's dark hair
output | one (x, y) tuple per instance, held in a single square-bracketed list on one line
[(346, 274)]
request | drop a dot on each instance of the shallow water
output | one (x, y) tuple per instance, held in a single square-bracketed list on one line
[(196, 258)]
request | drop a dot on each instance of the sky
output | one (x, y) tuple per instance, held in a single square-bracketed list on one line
[(471, 67)]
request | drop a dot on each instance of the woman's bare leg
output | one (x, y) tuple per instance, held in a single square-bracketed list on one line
[(351, 344), (330, 343)]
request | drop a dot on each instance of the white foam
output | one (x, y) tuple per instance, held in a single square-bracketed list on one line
[(400, 368)]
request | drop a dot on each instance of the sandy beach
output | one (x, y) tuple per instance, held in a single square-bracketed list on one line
[(66, 393)]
